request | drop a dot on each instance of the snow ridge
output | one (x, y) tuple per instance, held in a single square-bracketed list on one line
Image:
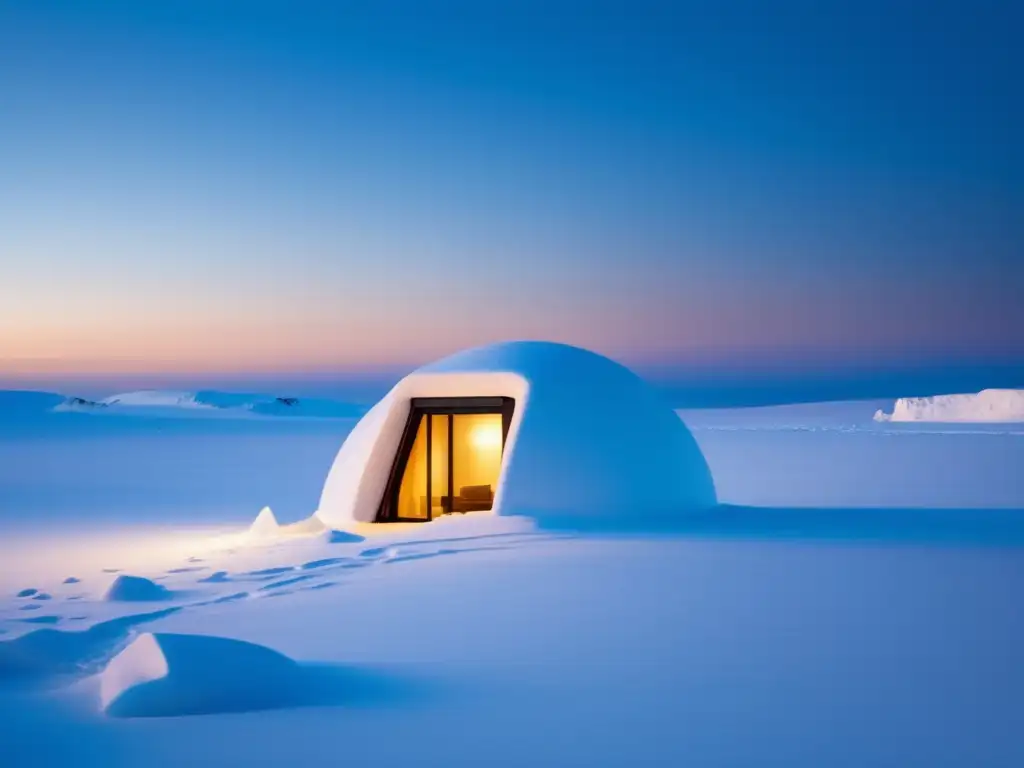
[(210, 403)]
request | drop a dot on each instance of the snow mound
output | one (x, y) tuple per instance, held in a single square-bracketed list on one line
[(988, 406), (167, 675), (265, 524), (135, 589)]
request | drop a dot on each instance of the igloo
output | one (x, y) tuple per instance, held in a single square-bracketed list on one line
[(544, 430)]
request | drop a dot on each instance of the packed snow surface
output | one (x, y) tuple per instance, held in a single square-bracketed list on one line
[(989, 405)]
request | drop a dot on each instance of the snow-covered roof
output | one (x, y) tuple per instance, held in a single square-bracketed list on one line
[(588, 440)]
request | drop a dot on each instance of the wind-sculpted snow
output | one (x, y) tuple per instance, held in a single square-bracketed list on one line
[(160, 675)]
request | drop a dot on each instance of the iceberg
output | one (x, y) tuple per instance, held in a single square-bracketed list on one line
[(988, 406)]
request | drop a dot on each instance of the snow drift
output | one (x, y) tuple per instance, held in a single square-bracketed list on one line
[(988, 406), (164, 675), (589, 442), (135, 589)]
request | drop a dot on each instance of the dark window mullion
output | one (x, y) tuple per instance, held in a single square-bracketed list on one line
[(451, 464), (430, 457)]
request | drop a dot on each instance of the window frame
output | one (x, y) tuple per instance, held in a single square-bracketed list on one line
[(426, 407)]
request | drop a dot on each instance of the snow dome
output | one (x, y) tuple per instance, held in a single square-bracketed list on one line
[(531, 428)]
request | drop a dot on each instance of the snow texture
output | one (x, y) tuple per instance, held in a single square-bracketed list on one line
[(987, 406), (589, 442), (856, 603)]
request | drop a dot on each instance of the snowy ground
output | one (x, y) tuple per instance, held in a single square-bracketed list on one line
[(858, 603)]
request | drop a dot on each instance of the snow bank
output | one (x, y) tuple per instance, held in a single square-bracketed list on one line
[(165, 675), (589, 442), (135, 589), (990, 405)]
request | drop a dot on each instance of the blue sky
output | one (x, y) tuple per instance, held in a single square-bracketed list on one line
[(196, 189)]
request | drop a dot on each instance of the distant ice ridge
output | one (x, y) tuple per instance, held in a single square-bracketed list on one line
[(989, 405), (208, 402), (153, 398)]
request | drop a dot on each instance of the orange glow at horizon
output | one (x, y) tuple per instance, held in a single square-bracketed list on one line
[(182, 334)]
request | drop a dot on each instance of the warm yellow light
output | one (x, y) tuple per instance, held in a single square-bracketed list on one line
[(485, 436)]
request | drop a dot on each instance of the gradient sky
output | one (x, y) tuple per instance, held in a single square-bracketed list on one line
[(213, 188)]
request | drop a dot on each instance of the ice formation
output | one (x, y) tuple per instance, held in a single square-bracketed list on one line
[(990, 405)]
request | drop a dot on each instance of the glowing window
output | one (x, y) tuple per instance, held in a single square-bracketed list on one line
[(449, 460)]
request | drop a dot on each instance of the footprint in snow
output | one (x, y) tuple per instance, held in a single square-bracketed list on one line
[(322, 585), (193, 569), (230, 598), (28, 592), (215, 578), (41, 620), (42, 596), (71, 580), (313, 564), (271, 571), (344, 537), (285, 582), (30, 608)]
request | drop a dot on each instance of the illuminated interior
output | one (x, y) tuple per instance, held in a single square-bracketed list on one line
[(413, 493), (450, 462), (438, 463), (477, 442)]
